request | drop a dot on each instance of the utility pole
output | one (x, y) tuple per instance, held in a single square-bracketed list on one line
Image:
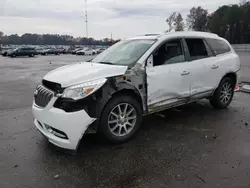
[(86, 18), (111, 37)]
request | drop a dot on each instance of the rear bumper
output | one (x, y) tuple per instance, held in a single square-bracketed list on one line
[(73, 125)]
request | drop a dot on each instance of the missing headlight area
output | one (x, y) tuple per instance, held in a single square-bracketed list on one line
[(55, 87)]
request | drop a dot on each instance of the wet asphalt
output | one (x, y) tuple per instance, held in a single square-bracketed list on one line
[(192, 146)]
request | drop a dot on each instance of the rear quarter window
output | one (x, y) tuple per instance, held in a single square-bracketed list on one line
[(218, 46)]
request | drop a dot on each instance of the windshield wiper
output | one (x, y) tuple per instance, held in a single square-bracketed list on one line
[(108, 63)]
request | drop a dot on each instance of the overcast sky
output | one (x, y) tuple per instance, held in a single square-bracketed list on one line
[(123, 18)]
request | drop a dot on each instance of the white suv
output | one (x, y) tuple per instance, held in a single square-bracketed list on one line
[(133, 78)]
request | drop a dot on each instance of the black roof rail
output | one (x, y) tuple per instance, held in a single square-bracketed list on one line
[(152, 34)]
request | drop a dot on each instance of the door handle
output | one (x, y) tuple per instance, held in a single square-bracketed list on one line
[(215, 67), (185, 73)]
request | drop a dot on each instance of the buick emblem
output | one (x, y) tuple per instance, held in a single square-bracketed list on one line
[(35, 93)]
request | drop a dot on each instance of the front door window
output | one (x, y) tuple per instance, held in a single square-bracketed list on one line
[(169, 53)]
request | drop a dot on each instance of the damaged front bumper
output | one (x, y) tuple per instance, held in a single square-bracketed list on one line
[(63, 129)]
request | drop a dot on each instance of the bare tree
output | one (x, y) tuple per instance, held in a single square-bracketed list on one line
[(179, 23), (197, 19), (171, 21), (1, 34)]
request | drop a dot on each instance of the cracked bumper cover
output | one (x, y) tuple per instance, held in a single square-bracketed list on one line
[(73, 124)]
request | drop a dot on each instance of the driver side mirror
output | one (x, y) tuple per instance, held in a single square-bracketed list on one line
[(150, 61)]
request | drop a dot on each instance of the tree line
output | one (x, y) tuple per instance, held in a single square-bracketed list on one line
[(231, 22), (52, 39)]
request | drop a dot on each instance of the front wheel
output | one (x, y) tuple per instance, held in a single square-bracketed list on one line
[(121, 119), (223, 95)]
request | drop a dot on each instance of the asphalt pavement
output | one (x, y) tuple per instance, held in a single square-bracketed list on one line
[(192, 146)]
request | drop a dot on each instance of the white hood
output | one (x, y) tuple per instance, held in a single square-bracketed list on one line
[(82, 72)]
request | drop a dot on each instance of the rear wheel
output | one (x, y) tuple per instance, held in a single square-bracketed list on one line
[(93, 53), (121, 119), (223, 95)]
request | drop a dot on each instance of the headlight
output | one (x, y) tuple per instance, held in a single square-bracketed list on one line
[(83, 90)]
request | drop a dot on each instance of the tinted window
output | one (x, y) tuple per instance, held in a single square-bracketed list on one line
[(197, 49), (169, 53), (218, 46)]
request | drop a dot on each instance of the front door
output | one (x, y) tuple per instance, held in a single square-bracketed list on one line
[(22, 52), (168, 76)]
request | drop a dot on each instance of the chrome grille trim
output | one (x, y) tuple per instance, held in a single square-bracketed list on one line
[(43, 96)]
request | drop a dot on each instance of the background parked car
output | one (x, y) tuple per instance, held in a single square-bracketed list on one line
[(69, 50), (86, 51), (5, 52), (60, 50), (81, 52), (52, 51), (23, 51), (100, 50), (39, 50), (76, 50)]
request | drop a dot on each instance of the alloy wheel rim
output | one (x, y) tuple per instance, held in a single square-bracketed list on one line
[(226, 93), (122, 119)]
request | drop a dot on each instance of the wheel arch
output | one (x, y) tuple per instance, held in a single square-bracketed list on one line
[(123, 88), (231, 75), (109, 91), (129, 92)]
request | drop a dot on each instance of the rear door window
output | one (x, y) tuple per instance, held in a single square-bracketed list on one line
[(218, 46), (197, 48)]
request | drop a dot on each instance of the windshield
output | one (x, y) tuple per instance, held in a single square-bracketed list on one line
[(126, 52)]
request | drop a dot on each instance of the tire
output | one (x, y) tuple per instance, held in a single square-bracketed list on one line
[(226, 88), (13, 55), (31, 55), (93, 53), (132, 122)]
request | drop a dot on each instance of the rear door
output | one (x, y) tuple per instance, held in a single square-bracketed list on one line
[(23, 52), (202, 82), (222, 61)]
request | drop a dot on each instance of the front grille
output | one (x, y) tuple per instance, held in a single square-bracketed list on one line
[(43, 96)]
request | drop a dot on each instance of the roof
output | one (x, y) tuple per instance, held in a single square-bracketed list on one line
[(144, 37), (177, 34)]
